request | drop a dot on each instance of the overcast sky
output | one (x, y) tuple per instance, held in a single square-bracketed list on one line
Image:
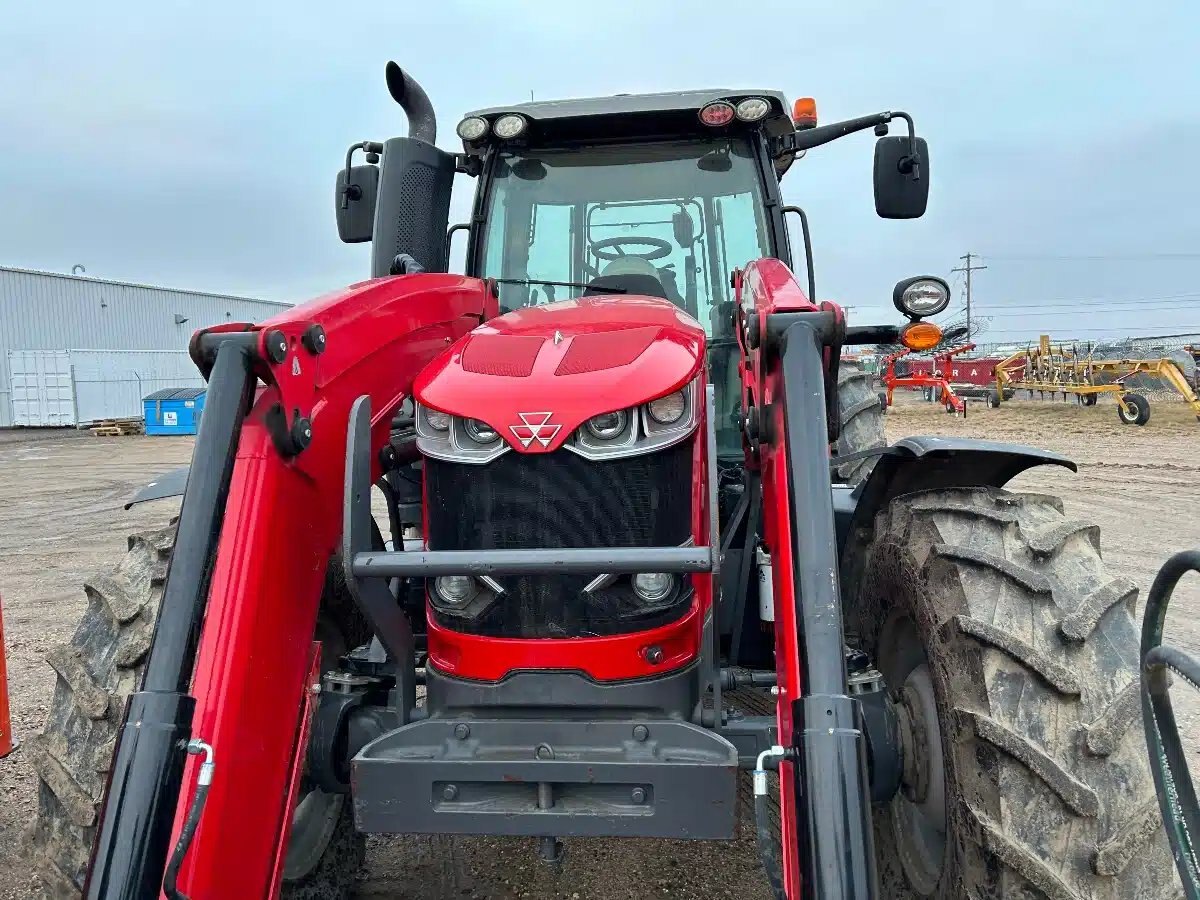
[(196, 144)]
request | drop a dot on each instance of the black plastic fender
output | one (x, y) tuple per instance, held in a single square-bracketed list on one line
[(169, 484), (919, 464)]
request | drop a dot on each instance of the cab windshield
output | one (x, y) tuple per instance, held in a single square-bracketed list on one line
[(682, 213)]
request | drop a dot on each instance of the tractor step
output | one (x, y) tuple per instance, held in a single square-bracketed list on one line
[(535, 777)]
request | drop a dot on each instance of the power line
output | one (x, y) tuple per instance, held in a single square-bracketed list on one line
[(968, 269), (1134, 257), (1067, 311), (1093, 301), (1119, 329)]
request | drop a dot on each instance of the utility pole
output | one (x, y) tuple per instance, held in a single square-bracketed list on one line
[(968, 268)]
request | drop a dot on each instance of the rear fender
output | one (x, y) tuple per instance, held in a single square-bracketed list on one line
[(920, 464)]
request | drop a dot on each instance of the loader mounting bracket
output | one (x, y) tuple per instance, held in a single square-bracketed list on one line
[(284, 356)]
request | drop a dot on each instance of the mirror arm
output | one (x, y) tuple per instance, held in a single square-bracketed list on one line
[(353, 191), (911, 164), (823, 134), (797, 141)]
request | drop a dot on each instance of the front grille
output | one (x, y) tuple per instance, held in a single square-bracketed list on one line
[(554, 500)]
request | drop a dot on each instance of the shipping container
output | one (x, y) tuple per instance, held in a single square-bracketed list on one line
[(44, 315)]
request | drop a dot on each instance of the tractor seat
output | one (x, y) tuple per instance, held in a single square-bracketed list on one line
[(645, 285), (630, 275)]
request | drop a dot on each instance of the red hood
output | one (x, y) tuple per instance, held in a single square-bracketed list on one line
[(571, 360)]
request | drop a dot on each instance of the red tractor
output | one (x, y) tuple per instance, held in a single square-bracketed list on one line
[(643, 538)]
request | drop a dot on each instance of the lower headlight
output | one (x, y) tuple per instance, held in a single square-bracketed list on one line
[(454, 590), (669, 409), (653, 586), (607, 426)]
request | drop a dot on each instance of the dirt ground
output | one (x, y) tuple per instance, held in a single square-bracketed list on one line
[(61, 519)]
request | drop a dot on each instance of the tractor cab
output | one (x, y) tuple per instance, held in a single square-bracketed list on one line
[(661, 196)]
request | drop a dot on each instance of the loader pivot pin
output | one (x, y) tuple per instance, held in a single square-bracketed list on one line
[(276, 345)]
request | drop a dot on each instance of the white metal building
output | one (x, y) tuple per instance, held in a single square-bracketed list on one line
[(75, 349)]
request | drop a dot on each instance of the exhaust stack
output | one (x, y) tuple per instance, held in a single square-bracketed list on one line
[(411, 97)]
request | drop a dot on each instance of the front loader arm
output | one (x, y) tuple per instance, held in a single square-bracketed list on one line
[(259, 523), (826, 845)]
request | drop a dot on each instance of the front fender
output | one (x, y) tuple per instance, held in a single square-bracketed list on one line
[(926, 462), (169, 484), (920, 464)]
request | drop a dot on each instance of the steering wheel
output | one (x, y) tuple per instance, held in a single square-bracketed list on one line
[(610, 249)]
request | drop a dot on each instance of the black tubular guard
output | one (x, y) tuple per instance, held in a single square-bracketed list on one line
[(1168, 760)]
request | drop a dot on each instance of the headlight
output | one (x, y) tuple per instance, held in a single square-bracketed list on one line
[(607, 426), (454, 590), (669, 409), (653, 586), (752, 109), (480, 432), (457, 439), (652, 425), (472, 128), (509, 126), (924, 296)]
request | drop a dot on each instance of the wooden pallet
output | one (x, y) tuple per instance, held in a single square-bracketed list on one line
[(117, 427)]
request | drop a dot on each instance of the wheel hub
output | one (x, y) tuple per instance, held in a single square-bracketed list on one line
[(924, 780), (918, 810)]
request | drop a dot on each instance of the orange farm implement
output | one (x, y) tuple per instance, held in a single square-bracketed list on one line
[(936, 381)]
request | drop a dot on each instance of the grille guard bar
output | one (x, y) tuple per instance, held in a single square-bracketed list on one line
[(570, 561), (363, 563), (368, 569)]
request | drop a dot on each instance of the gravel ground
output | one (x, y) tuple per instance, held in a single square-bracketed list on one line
[(61, 519)]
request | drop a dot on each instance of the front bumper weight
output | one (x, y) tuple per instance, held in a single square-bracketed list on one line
[(644, 778)]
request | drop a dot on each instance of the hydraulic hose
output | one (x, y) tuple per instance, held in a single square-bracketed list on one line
[(1172, 781), (190, 824), (769, 853)]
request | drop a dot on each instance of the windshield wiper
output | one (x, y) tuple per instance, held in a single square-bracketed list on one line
[(574, 284)]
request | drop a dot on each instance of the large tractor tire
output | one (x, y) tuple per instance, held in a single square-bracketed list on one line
[(862, 413), (1013, 654), (98, 669)]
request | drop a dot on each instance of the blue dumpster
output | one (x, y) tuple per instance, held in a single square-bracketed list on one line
[(174, 410)]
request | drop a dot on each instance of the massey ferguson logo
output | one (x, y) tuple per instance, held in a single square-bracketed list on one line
[(535, 426)]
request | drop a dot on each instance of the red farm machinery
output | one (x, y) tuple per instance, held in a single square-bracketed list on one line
[(643, 539), (933, 380)]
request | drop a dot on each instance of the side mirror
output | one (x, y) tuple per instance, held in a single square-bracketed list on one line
[(683, 228), (354, 203), (901, 177)]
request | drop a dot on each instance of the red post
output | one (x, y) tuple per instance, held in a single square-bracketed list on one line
[(6, 736)]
